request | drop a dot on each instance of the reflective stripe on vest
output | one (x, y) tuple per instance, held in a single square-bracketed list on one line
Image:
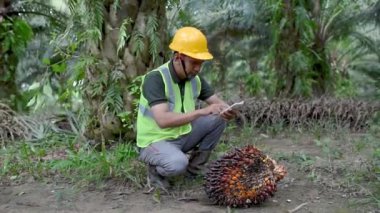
[(166, 73)]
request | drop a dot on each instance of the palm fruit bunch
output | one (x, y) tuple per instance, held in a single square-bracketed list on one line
[(242, 178)]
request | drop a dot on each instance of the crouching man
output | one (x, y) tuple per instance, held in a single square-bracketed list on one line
[(168, 123)]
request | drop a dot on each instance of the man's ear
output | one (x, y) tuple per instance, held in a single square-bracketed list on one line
[(177, 56)]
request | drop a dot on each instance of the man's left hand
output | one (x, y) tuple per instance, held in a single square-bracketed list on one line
[(229, 114)]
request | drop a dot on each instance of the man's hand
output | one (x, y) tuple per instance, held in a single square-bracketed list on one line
[(213, 109), (229, 114)]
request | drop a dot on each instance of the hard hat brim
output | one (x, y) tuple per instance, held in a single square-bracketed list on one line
[(200, 56)]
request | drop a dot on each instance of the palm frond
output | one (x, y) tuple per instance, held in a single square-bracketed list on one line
[(154, 39), (372, 14), (117, 75), (95, 13), (138, 45), (123, 34), (367, 43), (73, 5), (113, 101), (37, 8), (116, 5)]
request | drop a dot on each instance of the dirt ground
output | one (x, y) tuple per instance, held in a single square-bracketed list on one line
[(296, 193)]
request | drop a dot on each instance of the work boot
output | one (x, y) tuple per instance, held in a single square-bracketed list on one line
[(197, 163), (155, 180)]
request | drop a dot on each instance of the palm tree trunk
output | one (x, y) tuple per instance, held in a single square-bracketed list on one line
[(130, 62)]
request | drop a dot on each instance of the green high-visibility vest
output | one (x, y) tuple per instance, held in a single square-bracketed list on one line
[(148, 131)]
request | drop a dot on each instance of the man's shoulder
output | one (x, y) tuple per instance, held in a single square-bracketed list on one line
[(155, 73), (203, 81), (154, 76), (153, 88)]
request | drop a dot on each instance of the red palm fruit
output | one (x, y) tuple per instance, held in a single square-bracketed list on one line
[(242, 178)]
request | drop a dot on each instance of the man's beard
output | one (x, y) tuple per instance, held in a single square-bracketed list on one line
[(190, 77)]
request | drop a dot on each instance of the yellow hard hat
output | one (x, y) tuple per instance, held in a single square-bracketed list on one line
[(191, 42)]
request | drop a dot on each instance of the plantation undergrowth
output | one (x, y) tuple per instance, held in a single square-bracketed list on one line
[(339, 160)]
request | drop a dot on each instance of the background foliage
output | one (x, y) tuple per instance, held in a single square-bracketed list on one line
[(265, 49)]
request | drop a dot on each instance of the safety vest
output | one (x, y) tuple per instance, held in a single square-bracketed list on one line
[(148, 131)]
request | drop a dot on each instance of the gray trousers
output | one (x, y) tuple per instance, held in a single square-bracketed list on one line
[(169, 155)]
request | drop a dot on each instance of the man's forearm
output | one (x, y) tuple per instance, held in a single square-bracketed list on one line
[(173, 119)]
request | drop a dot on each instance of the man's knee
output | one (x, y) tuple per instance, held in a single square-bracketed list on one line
[(174, 166), (214, 122), (219, 121), (215, 128), (217, 124)]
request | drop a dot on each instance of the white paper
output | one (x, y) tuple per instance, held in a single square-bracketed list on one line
[(233, 106)]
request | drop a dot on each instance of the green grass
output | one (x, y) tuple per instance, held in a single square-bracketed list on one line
[(88, 165), (76, 162)]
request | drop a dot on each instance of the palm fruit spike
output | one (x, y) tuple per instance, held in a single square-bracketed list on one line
[(242, 178)]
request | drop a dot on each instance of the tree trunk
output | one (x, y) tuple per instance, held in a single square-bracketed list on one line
[(321, 68), (288, 44), (128, 61)]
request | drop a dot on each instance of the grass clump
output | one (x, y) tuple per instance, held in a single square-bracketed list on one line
[(60, 155)]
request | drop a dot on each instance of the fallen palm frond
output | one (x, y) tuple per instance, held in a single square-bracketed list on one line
[(12, 126), (352, 114), (33, 127)]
